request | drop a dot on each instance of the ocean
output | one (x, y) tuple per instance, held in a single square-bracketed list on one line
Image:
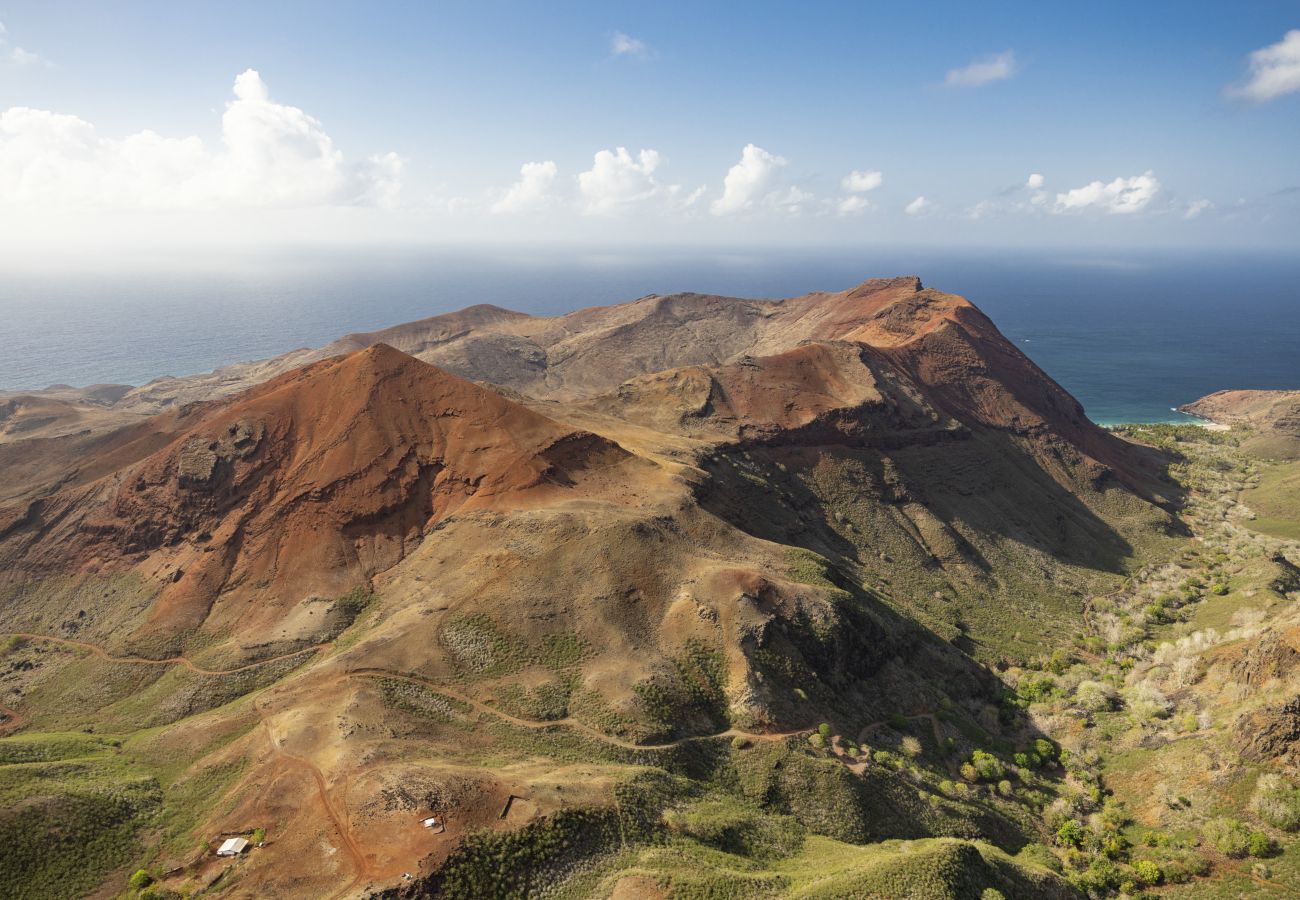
[(1130, 334)]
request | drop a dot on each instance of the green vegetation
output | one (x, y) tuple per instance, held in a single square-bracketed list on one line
[(1275, 501), (67, 821)]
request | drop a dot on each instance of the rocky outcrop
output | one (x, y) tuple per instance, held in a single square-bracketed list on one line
[(1272, 733)]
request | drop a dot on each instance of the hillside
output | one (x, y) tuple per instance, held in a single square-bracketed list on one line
[(651, 598)]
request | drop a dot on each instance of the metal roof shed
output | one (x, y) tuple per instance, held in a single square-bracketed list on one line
[(232, 847)]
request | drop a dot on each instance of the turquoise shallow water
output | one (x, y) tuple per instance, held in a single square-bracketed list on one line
[(1131, 335)]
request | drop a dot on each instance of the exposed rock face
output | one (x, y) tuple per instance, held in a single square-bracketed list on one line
[(1271, 734), (1271, 658), (200, 457)]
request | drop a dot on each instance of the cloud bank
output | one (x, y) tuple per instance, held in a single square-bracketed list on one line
[(271, 155)]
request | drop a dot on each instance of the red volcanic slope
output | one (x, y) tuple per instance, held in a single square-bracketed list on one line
[(307, 484)]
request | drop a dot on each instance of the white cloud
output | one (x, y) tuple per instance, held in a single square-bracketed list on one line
[(271, 155), (532, 191), (861, 182), (20, 58), (1274, 70), (625, 45), (851, 205), (748, 181), (616, 180), (983, 71), (17, 57), (917, 206), (1196, 207), (1035, 182), (693, 197), (1123, 195)]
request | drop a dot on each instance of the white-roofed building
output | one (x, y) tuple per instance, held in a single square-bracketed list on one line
[(232, 847)]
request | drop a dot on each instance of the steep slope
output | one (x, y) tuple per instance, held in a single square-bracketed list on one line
[(303, 487)]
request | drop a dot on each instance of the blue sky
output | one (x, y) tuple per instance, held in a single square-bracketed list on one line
[(1149, 124)]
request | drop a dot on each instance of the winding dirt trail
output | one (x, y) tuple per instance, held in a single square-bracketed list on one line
[(170, 661), (12, 719), (339, 818), (568, 722)]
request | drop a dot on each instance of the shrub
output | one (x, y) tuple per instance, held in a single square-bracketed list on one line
[(986, 766), (1277, 803), (259, 836), (739, 742), (1147, 872), (1260, 845), (897, 721), (1022, 760), (1071, 833), (911, 746), (1228, 836), (1095, 696), (817, 740), (824, 729), (140, 880), (1004, 788)]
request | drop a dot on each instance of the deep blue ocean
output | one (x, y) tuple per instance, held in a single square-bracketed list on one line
[(1130, 334)]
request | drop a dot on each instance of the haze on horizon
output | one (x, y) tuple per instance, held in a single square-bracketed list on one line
[(237, 124)]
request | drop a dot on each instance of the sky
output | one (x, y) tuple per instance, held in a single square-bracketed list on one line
[(937, 124)]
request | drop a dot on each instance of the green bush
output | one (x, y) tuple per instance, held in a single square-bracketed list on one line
[(986, 767), (1260, 845), (140, 880), (1148, 873), (1229, 836), (824, 729), (1071, 833), (259, 836)]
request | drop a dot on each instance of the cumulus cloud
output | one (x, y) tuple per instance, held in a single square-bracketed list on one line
[(861, 182), (532, 191), (1123, 195), (1035, 182), (621, 44), (851, 205), (748, 181), (1274, 71), (270, 155), (983, 71), (917, 206), (616, 180), (1196, 207)]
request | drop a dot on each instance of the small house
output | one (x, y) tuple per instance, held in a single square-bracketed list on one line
[(232, 847), (434, 824)]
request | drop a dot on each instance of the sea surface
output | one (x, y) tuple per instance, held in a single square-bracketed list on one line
[(1132, 335)]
